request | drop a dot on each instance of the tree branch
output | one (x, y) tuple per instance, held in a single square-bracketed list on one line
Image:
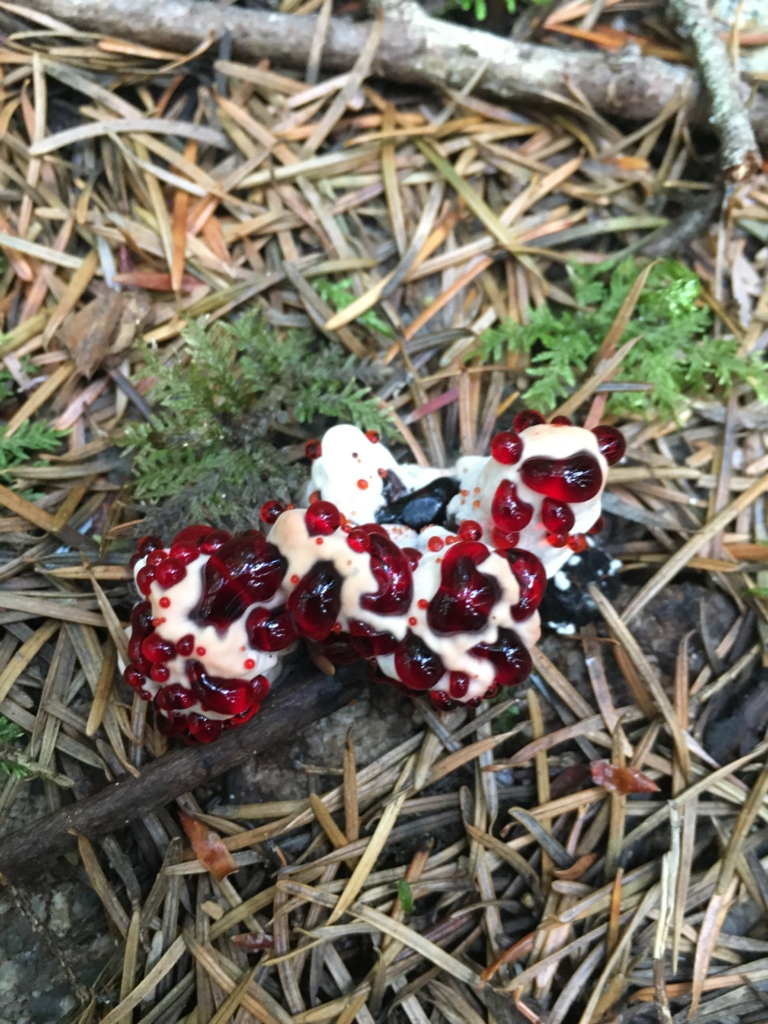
[(303, 696), (415, 49), (739, 156)]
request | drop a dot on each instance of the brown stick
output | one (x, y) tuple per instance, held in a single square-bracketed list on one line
[(303, 696), (415, 48)]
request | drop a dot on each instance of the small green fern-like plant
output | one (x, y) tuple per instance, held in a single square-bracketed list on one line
[(9, 734), (339, 294), (213, 449), (31, 437), (480, 7), (675, 353)]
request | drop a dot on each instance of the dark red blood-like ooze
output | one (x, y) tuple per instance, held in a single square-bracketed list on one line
[(417, 664), (174, 698), (214, 540), (141, 619), (322, 519), (170, 572), (501, 541), (145, 577), (316, 601), (506, 448), (134, 677), (556, 516), (598, 526), (339, 649), (465, 596), (241, 572), (271, 511), (202, 729), (171, 725), (509, 656), (270, 629), (392, 572), (458, 685), (442, 701), (224, 696), (532, 580), (157, 650), (368, 642), (508, 510), (192, 534), (528, 418), (577, 478), (611, 443)]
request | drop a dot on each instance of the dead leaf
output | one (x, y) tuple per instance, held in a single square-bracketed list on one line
[(208, 846), (621, 780)]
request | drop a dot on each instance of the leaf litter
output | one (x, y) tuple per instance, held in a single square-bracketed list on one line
[(442, 262)]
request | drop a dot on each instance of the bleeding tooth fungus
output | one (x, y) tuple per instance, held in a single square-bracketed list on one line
[(449, 612)]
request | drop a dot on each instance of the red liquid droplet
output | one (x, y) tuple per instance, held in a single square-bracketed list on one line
[(165, 602), (185, 645), (412, 620), (160, 673), (270, 511), (141, 619), (200, 652), (577, 478), (191, 534), (417, 665), (367, 642), (442, 701), (509, 657), (242, 572), (224, 696), (156, 649), (363, 485), (174, 698), (506, 448), (528, 418), (134, 646), (148, 544), (213, 541), (144, 579), (532, 580), (435, 544), (560, 421), (413, 556), (598, 526), (577, 542), (295, 578), (465, 596), (270, 629), (316, 601), (611, 443), (459, 684), (154, 558), (557, 540), (422, 603), (249, 664), (556, 516), (392, 572), (359, 540), (508, 510), (339, 649), (501, 541), (313, 449), (373, 436), (202, 729), (322, 518), (133, 677), (170, 573), (470, 530), (184, 552)]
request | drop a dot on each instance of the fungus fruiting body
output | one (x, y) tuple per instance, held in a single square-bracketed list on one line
[(433, 576)]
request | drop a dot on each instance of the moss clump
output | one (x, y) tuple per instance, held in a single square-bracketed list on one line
[(223, 413), (675, 353)]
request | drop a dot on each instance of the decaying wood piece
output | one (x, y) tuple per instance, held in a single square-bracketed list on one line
[(302, 697), (415, 48), (739, 155)]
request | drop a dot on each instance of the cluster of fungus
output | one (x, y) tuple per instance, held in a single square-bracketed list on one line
[(433, 576)]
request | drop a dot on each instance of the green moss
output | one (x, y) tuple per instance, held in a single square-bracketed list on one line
[(676, 353), (213, 451)]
